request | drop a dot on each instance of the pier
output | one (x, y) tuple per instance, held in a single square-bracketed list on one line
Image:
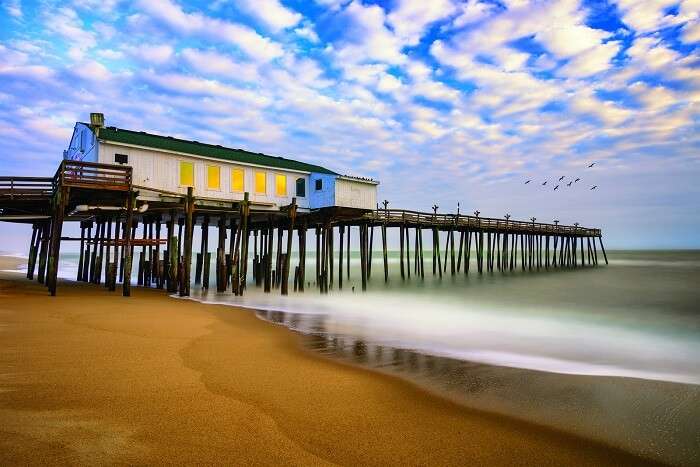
[(125, 226)]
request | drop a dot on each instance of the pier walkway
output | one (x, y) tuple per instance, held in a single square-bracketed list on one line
[(103, 196)]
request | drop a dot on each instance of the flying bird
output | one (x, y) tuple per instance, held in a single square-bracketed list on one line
[(561, 178), (577, 180), (528, 182), (545, 182), (569, 184), (594, 187), (555, 188), (591, 165)]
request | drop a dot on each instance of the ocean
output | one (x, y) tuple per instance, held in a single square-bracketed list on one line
[(610, 353)]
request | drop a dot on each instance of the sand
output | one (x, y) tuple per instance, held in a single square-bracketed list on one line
[(90, 377)]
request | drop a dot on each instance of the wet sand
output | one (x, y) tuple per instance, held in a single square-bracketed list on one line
[(91, 377)]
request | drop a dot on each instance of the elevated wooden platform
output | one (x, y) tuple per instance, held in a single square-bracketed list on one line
[(103, 196)]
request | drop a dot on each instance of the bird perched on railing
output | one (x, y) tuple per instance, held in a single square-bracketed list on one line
[(555, 188), (561, 178)]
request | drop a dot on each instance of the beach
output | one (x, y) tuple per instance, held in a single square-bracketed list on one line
[(91, 377)]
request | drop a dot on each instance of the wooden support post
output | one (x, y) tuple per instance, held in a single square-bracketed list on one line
[(113, 265), (221, 255), (401, 248), (155, 262), (59, 208), (268, 256), (416, 253), (245, 214), (318, 254), (419, 232), (278, 261), (81, 256), (363, 255), (34, 249), (128, 250), (348, 253), (408, 252), (488, 251), (384, 253), (288, 256), (189, 230), (44, 251), (109, 252), (341, 235), (480, 252), (452, 251), (331, 254), (369, 251), (602, 248), (302, 257), (467, 250)]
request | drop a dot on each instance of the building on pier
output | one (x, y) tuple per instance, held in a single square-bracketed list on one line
[(167, 165)]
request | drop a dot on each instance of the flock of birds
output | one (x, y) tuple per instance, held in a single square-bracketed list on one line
[(571, 182)]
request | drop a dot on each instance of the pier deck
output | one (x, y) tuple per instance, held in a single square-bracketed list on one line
[(103, 196)]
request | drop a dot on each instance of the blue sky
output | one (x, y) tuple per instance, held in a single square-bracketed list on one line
[(443, 101)]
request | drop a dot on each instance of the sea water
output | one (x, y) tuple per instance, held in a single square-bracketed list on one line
[(611, 353)]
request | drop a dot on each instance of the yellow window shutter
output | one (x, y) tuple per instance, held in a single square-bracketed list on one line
[(186, 173), (281, 185), (237, 183), (260, 183), (213, 177)]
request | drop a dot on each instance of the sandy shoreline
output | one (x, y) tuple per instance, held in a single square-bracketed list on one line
[(91, 377)]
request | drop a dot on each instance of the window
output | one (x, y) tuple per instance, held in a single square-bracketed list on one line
[(186, 173), (319, 185), (213, 177), (301, 187), (261, 183), (237, 183), (281, 185), (121, 158)]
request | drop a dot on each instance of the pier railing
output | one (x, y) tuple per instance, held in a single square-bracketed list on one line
[(400, 216), (26, 188), (93, 175)]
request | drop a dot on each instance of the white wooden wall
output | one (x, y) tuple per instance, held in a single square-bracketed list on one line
[(355, 194), (161, 170)]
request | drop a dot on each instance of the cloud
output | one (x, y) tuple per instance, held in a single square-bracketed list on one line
[(691, 32), (250, 42), (157, 54), (592, 61), (367, 39), (308, 33), (410, 18), (13, 8), (271, 13), (209, 62)]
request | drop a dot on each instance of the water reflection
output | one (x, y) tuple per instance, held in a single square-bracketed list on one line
[(640, 416)]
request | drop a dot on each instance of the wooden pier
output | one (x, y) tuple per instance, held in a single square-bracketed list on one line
[(110, 210)]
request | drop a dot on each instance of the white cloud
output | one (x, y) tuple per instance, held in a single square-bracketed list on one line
[(215, 63), (253, 44), (646, 15), (471, 12), (308, 33), (691, 32), (152, 54), (592, 61), (271, 13), (411, 18), (367, 38), (13, 8)]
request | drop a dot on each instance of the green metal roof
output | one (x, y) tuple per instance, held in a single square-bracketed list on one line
[(168, 143)]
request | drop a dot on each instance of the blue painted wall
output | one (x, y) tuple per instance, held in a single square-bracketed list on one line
[(326, 196), (83, 145)]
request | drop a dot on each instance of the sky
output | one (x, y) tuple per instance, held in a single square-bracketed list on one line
[(442, 101)]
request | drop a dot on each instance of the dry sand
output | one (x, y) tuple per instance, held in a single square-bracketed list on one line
[(90, 377)]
